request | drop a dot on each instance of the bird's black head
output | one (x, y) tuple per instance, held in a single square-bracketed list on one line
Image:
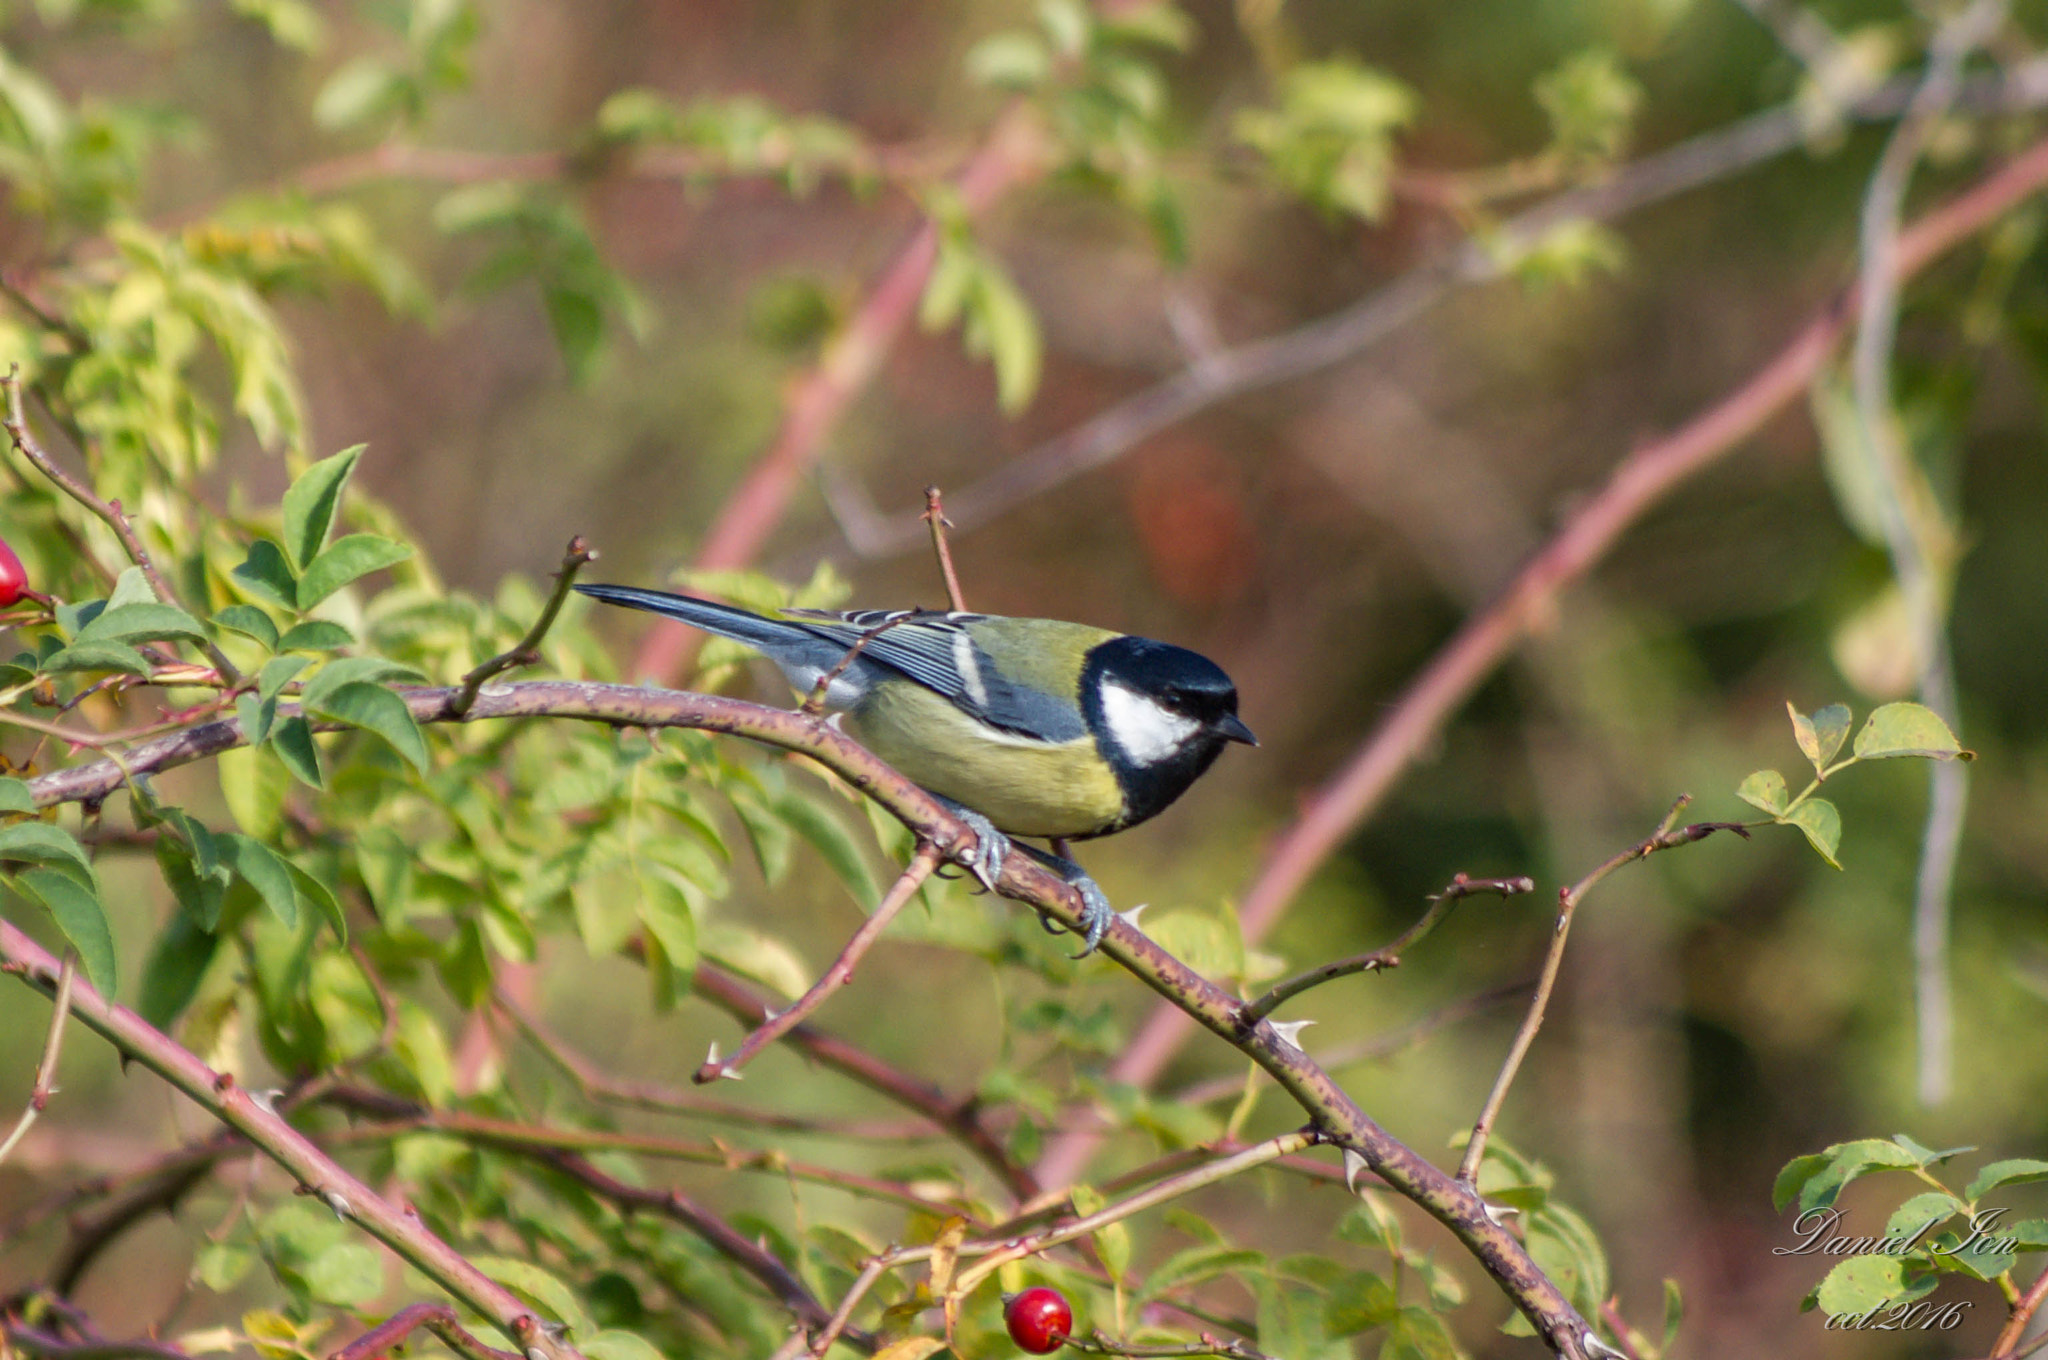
[(1160, 715)]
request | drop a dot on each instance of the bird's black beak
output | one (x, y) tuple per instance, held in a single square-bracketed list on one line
[(1231, 728)]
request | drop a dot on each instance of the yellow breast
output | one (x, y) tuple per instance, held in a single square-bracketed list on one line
[(1025, 787)]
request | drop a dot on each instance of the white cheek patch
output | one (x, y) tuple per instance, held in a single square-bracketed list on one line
[(1146, 731)]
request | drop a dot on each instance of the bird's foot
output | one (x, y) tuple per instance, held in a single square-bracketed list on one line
[(1096, 913), (991, 847)]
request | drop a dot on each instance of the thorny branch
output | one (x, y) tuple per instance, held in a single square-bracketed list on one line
[(1665, 837), (46, 1067), (1338, 1118), (1639, 481), (838, 975), (1390, 955)]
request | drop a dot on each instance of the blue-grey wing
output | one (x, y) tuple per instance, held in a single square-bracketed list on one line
[(936, 650)]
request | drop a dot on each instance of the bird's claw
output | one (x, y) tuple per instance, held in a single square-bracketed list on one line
[(991, 847), (1096, 913)]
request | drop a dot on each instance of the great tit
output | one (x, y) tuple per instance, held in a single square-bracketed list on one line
[(1030, 727)]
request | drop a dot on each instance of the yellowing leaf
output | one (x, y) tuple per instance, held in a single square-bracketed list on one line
[(1908, 729)]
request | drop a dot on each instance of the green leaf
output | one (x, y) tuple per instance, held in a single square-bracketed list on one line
[(1001, 322), (2029, 1234), (351, 557), (254, 784), (140, 623), (349, 670), (220, 1266), (576, 320), (1816, 1179), (249, 621), (42, 841), (264, 870), (266, 574), (2016, 1171), (1921, 1212), (1981, 1253), (195, 879), (375, 709), (315, 635), (539, 1287), (829, 837), (1822, 824), (131, 587), (322, 897), (293, 742), (1415, 1333), (1861, 1284), (15, 795), (1908, 729), (80, 916), (1198, 1265), (615, 1344), (257, 717), (177, 964), (664, 908), (98, 656), (1358, 1303), (1765, 789), (1011, 60), (347, 1275), (278, 672), (311, 502), (1929, 1156), (1821, 734), (1674, 1314)]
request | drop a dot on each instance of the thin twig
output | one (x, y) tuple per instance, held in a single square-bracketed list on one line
[(1102, 1344), (1376, 1049), (838, 975), (437, 1318), (401, 1117), (1224, 374), (2010, 1335), (1921, 548), (1013, 153), (814, 702), (960, 1118), (598, 1085), (995, 1252), (1388, 956), (34, 1341), (935, 516), (53, 1046), (526, 651), (256, 1119), (1332, 1110), (1638, 482), (1568, 899), (116, 519), (1799, 31), (756, 1260)]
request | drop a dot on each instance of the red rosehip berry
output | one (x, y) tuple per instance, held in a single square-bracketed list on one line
[(1040, 1319), (13, 576)]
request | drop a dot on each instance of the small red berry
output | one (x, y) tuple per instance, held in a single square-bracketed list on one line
[(13, 576), (1040, 1319)]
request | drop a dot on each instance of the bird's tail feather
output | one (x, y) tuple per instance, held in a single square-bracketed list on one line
[(723, 619)]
